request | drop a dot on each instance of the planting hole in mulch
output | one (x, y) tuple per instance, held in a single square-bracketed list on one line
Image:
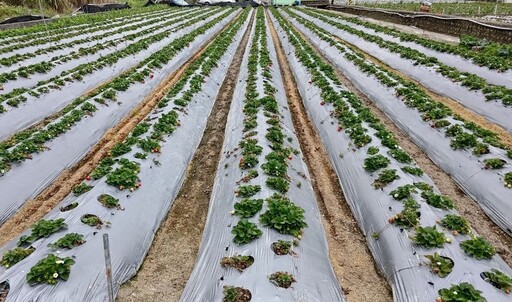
[(92, 220), (108, 201), (284, 247), (236, 294), (69, 207), (4, 290), (282, 279), (239, 262)]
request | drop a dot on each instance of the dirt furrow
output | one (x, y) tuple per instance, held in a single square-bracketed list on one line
[(172, 256), (36, 208), (349, 255), (466, 206)]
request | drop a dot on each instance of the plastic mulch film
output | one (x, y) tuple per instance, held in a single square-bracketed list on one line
[(492, 76), (494, 111), (31, 177), (133, 227), (24, 47), (486, 186), (402, 262), (315, 280), (34, 109), (77, 55)]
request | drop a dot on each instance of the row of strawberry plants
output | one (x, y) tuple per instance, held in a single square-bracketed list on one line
[(21, 94), (361, 165), (63, 25), (131, 33), (36, 51), (462, 139), (24, 143), (71, 146), (261, 132), (483, 53), (52, 43), (124, 172), (470, 80), (463, 134)]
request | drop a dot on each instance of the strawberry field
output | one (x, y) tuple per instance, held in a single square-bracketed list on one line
[(252, 154)]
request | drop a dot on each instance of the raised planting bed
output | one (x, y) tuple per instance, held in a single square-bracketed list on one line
[(262, 195)]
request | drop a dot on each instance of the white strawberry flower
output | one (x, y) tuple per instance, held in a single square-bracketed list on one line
[(59, 262), (55, 275)]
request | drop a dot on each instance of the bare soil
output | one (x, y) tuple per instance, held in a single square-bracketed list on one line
[(172, 256), (466, 206), (351, 260), (36, 208)]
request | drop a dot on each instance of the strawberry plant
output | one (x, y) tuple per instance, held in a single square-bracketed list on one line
[(124, 176), (457, 224), (248, 207), (236, 294), (423, 186), (498, 280), (108, 201), (92, 220), (104, 167), (15, 255), (248, 161), (140, 129), (140, 155), (282, 279), (69, 241), (463, 292), (119, 149), (376, 162), (247, 191), (385, 177), (413, 171), (440, 265), (284, 216), (437, 201), (463, 140), (275, 167), (238, 262), (69, 207), (478, 248), (494, 163), (481, 149), (407, 218), (508, 180), (81, 189), (149, 145), (428, 237), (49, 270), (248, 176), (275, 135), (400, 155), (279, 184), (403, 192), (42, 229), (372, 150), (283, 247), (245, 232)]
